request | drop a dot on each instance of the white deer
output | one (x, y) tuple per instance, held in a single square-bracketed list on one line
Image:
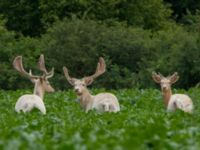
[(102, 102), (175, 101), (29, 101)]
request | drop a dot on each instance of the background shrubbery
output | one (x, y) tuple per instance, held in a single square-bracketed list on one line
[(135, 41)]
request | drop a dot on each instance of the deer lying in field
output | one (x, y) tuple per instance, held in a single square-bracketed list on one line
[(175, 101), (29, 101), (102, 102)]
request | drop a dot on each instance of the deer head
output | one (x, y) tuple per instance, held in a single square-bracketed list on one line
[(81, 84), (42, 80), (165, 82)]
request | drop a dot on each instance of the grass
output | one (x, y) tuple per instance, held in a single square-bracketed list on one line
[(142, 123)]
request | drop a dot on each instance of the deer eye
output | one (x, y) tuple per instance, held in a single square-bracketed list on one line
[(83, 84)]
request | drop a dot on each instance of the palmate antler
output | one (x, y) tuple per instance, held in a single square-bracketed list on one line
[(18, 65), (70, 79), (101, 68), (41, 65)]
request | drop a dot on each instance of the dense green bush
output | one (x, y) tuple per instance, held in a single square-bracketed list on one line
[(174, 50), (192, 21), (78, 44), (131, 53), (10, 47), (32, 18), (135, 37)]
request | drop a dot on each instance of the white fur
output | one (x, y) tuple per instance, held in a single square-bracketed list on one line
[(29, 101), (180, 101), (105, 102)]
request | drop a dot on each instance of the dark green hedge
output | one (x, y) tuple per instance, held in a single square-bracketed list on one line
[(131, 54)]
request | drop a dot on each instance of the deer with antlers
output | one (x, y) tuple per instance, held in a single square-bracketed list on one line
[(29, 101), (102, 102), (172, 101)]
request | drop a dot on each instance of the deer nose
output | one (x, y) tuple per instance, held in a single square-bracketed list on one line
[(76, 89), (165, 87)]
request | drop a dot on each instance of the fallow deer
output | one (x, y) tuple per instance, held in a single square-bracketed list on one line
[(29, 101), (172, 101), (102, 102)]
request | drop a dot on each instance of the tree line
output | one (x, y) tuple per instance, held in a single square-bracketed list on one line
[(135, 37)]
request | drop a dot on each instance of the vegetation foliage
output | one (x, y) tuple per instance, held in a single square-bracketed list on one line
[(131, 54), (142, 123), (135, 37)]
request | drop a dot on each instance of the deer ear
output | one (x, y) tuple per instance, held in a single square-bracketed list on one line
[(33, 80), (72, 81), (88, 81), (156, 77)]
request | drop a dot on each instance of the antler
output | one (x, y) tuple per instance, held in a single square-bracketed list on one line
[(101, 68), (17, 64), (41, 65), (70, 80)]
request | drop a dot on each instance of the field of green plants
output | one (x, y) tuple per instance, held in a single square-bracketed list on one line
[(142, 123)]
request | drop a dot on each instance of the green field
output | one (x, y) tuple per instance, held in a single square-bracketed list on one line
[(142, 123)]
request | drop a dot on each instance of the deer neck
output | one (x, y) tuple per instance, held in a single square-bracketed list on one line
[(38, 90), (167, 95), (86, 98)]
